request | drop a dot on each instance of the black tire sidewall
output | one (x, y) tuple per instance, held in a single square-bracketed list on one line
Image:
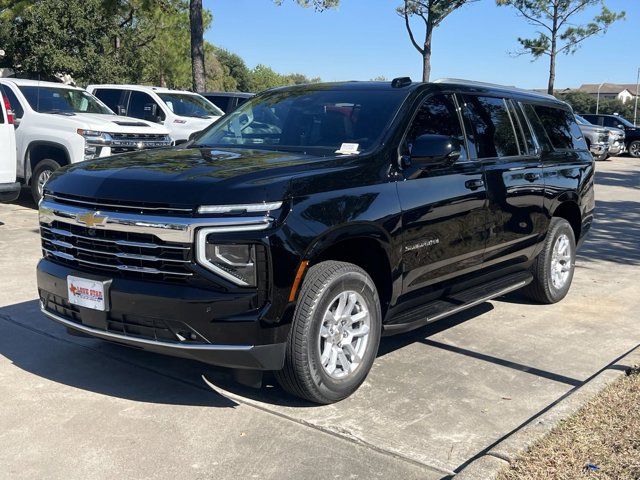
[(561, 227), (336, 389), (46, 164)]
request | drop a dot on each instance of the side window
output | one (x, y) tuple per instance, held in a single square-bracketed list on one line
[(438, 116), (492, 127), (110, 97), (610, 122), (1, 108), (221, 102), (16, 107), (525, 137), (137, 103), (560, 126)]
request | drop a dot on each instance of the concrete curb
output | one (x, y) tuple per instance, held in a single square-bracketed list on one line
[(503, 454)]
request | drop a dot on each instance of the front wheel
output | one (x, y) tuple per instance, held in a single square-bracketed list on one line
[(335, 333), (40, 176), (554, 267), (634, 149)]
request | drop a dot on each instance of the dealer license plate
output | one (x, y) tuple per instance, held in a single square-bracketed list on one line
[(87, 293)]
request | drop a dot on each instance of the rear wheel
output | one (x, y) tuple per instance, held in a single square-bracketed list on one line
[(634, 149), (335, 333), (554, 267), (40, 176)]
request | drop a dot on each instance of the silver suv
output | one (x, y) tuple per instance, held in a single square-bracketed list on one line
[(597, 138)]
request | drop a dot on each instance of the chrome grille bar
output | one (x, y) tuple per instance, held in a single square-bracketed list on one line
[(124, 268), (122, 243), (167, 229), (130, 256)]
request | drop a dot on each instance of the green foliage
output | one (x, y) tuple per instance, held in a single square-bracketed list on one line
[(62, 37), (234, 68), (582, 102), (557, 33), (319, 5)]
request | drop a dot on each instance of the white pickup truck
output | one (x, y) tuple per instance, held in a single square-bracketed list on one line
[(9, 188), (56, 125), (182, 112)]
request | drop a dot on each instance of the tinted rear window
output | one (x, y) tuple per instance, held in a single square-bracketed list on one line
[(493, 128), (560, 125)]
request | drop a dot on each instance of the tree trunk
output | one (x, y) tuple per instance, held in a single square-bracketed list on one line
[(552, 53), (552, 73), (197, 45), (426, 55)]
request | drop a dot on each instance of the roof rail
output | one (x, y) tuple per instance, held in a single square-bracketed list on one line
[(472, 83)]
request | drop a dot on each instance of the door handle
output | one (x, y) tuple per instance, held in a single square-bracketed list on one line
[(531, 177), (474, 184)]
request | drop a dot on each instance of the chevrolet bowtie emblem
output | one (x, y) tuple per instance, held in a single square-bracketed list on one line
[(91, 219)]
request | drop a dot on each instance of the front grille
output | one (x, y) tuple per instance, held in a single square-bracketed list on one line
[(136, 326), (139, 137), (115, 206), (131, 255)]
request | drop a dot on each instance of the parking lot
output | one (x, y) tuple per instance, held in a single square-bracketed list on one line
[(436, 399)]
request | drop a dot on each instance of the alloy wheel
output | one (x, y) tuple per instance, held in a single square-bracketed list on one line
[(344, 334), (561, 261)]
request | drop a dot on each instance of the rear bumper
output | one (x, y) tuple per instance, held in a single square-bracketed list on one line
[(9, 191), (213, 327)]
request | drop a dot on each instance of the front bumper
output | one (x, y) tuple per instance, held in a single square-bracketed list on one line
[(599, 148), (9, 191), (177, 320)]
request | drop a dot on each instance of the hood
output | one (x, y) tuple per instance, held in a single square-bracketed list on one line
[(190, 176), (113, 123)]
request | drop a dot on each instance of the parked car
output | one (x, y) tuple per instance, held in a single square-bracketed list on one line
[(617, 141), (597, 138), (227, 101), (57, 125), (9, 188), (180, 111), (298, 229), (631, 131)]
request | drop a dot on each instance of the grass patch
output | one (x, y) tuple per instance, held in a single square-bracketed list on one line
[(601, 441)]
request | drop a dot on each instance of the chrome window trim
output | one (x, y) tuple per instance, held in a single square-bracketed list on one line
[(166, 228)]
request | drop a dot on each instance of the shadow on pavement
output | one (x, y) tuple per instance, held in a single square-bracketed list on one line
[(615, 234), (628, 179), (40, 347)]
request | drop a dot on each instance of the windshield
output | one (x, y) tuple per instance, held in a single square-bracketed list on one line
[(582, 121), (301, 119), (188, 105), (62, 100), (625, 122)]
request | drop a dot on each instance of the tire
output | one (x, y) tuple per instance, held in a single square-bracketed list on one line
[(546, 287), (634, 149), (305, 374), (44, 168)]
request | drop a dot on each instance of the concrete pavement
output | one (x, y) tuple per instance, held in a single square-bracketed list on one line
[(436, 398)]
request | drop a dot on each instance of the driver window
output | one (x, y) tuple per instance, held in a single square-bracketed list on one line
[(438, 116)]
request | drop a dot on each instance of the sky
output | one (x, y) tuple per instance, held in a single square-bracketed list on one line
[(364, 39)]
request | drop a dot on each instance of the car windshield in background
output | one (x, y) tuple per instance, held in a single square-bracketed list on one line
[(187, 105), (302, 119), (625, 122), (582, 121), (62, 100)]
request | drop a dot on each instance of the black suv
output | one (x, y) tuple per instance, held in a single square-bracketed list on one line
[(296, 231), (632, 132)]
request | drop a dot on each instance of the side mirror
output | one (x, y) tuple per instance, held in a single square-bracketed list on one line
[(121, 111), (151, 113), (620, 126), (431, 150)]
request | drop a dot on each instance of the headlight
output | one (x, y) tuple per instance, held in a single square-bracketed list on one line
[(93, 142), (236, 263)]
